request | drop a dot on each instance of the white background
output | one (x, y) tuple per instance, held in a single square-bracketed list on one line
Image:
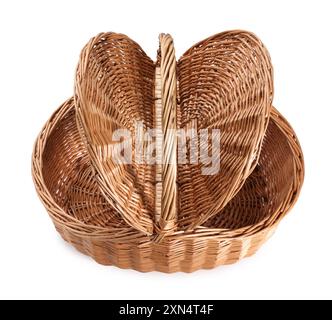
[(39, 48)]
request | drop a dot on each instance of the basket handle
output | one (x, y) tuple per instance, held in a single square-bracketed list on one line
[(166, 123)]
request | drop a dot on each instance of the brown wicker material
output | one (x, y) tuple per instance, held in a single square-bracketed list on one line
[(169, 217), (237, 101)]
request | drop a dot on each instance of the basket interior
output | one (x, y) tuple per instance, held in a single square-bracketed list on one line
[(69, 179), (265, 189)]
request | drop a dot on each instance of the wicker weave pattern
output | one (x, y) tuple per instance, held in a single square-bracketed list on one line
[(71, 194), (114, 86), (125, 215), (225, 82), (166, 224)]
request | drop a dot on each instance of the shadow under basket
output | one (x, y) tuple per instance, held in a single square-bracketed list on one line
[(65, 182)]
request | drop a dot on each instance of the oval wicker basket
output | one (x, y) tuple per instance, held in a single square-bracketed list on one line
[(169, 216)]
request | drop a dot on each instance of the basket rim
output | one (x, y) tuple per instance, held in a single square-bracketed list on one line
[(60, 217)]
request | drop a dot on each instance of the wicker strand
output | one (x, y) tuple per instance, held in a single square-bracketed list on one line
[(167, 222)]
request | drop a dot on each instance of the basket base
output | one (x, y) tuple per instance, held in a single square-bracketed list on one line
[(150, 256)]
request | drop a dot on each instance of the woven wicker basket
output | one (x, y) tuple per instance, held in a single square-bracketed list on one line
[(169, 216)]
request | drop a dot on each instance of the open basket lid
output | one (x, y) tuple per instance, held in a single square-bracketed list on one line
[(222, 83)]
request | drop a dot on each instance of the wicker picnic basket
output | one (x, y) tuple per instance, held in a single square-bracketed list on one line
[(169, 215)]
